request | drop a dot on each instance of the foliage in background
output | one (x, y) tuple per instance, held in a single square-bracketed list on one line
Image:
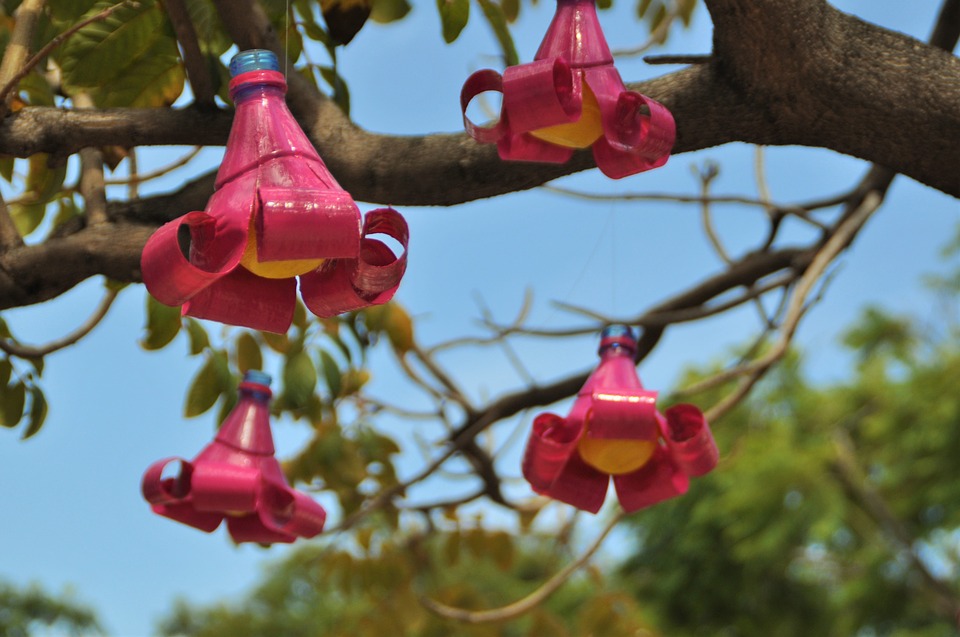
[(373, 589), (23, 610), (834, 511)]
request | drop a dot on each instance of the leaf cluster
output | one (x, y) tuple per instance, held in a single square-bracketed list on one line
[(831, 510)]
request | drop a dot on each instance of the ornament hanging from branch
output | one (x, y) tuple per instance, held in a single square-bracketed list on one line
[(571, 97), (277, 215), (237, 478), (614, 430)]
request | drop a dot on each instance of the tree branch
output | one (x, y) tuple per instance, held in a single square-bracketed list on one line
[(529, 602), (39, 351)]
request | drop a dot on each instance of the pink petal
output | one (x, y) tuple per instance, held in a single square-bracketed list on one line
[(242, 298), (580, 485), (301, 223), (250, 528), (540, 94), (632, 141), (220, 486), (660, 479), (690, 440), (159, 490), (344, 285), (552, 441), (184, 513), (623, 415), (481, 82), (167, 273)]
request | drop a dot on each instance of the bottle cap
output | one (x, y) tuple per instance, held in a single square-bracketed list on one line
[(253, 60), (258, 377), (621, 335)]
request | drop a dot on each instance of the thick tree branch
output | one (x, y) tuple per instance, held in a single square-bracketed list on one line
[(795, 72), (821, 79)]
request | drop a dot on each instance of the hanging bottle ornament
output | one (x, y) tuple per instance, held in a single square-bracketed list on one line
[(614, 430), (277, 214), (571, 96), (236, 478)]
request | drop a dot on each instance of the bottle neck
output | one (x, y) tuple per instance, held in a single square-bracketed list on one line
[(257, 84)]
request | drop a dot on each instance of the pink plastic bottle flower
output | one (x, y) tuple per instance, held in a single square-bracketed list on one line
[(237, 478), (614, 430), (277, 214), (571, 96)]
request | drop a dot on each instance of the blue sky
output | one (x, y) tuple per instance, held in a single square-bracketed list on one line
[(74, 519)]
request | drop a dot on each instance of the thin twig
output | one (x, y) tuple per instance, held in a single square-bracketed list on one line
[(14, 67), (55, 42), (753, 371), (529, 602), (851, 475), (138, 178), (705, 58), (27, 351), (657, 36)]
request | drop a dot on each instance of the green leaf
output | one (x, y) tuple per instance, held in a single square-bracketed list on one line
[(38, 412), (129, 59), (454, 15), (299, 380), (277, 342), (331, 373), (154, 80), (399, 328), (11, 404), (27, 217), (498, 22), (341, 93), (207, 386), (69, 10), (248, 353), (345, 18), (206, 22), (6, 167), (686, 10), (384, 11), (163, 325), (511, 9), (199, 341), (6, 368)]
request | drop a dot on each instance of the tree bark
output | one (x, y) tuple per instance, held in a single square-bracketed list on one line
[(792, 72)]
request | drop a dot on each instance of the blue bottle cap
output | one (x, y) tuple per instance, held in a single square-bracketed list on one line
[(258, 377), (253, 60), (617, 331)]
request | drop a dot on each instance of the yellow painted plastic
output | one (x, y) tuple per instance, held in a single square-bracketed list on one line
[(613, 456), (274, 269), (579, 134)]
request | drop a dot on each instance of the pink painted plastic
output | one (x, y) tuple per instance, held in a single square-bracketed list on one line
[(616, 406), (273, 183), (549, 91), (236, 478)]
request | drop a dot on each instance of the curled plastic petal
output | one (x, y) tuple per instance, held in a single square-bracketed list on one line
[(344, 285), (615, 431), (276, 214), (552, 441), (245, 299), (236, 478), (691, 440), (634, 133)]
